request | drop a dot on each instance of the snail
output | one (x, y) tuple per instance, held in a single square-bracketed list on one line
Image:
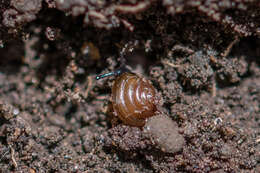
[(133, 97)]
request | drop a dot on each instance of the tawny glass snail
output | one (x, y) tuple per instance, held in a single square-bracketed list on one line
[(133, 97)]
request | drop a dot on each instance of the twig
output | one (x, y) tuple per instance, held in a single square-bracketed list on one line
[(97, 15), (132, 9), (90, 82), (213, 59), (13, 157), (128, 25), (182, 48), (3, 156), (171, 64), (257, 140), (214, 88), (228, 49)]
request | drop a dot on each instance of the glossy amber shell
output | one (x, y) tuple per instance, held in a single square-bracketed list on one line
[(133, 99)]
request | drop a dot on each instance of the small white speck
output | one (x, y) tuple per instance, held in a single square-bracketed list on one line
[(16, 111)]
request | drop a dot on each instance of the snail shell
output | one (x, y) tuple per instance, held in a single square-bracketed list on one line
[(133, 99)]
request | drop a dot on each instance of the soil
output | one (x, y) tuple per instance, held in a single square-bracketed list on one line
[(202, 57)]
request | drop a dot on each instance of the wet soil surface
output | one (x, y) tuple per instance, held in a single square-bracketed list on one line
[(202, 57)]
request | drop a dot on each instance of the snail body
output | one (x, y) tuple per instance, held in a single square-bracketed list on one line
[(133, 99)]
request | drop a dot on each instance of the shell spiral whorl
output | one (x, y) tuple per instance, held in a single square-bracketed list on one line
[(133, 99)]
